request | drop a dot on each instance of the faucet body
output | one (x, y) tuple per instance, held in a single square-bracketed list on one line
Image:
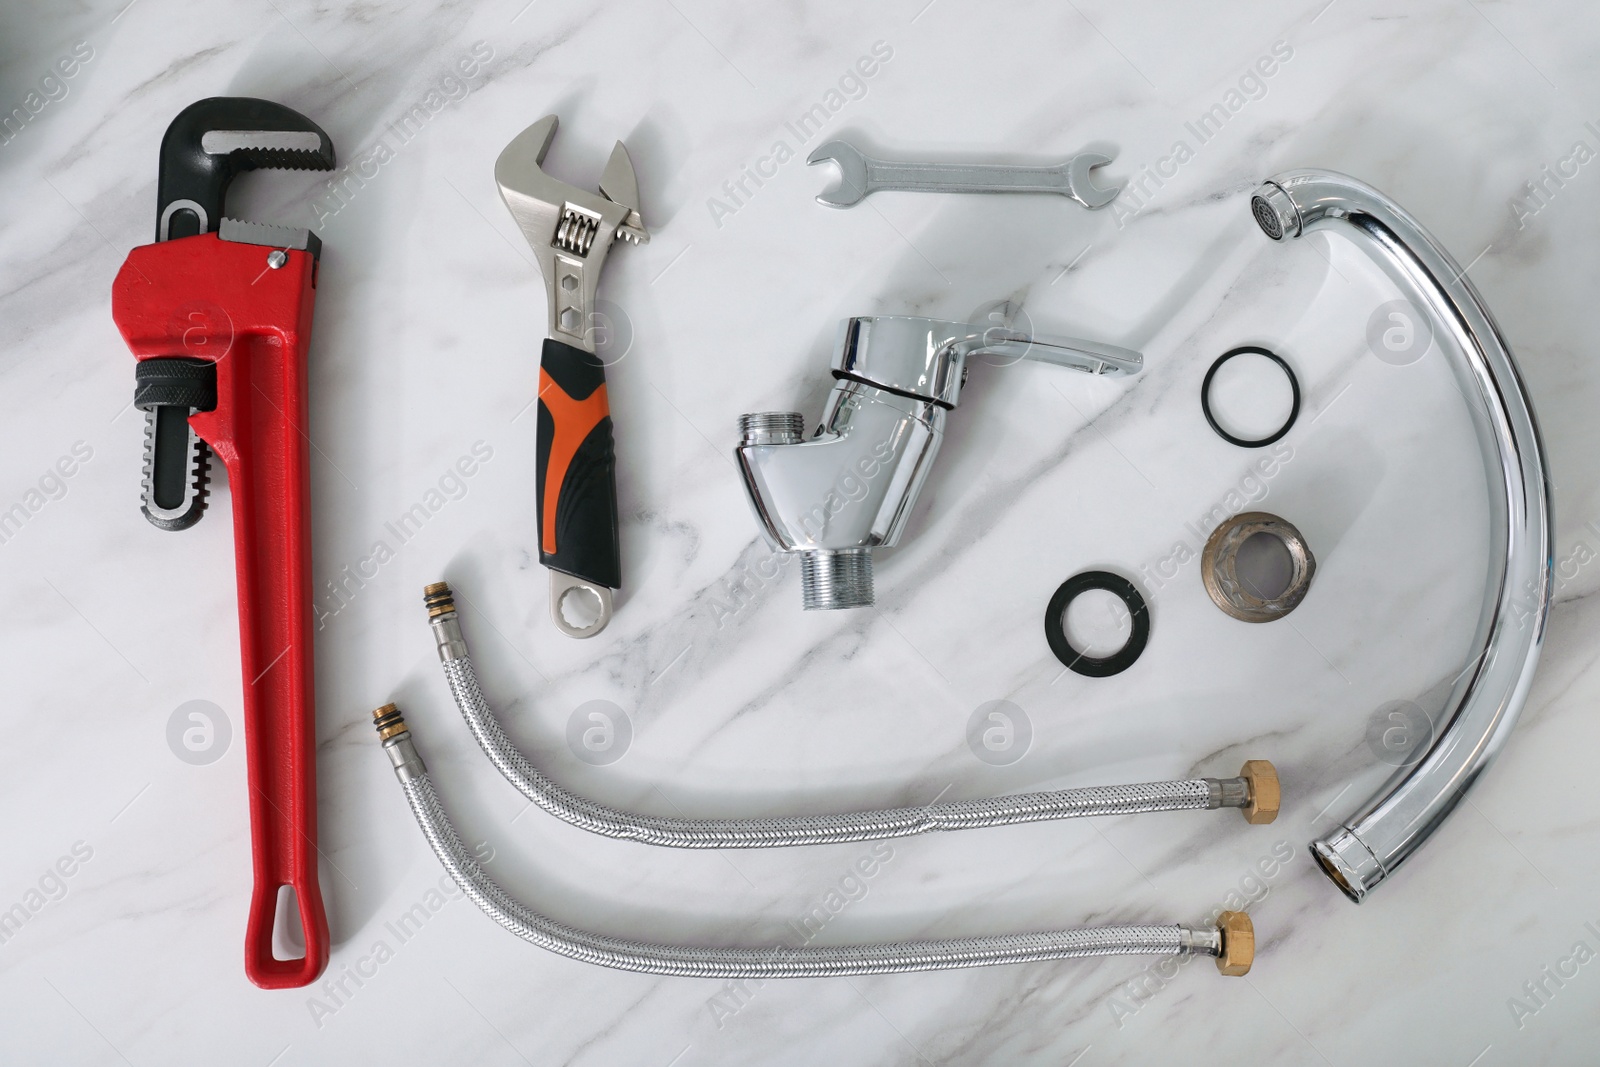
[(850, 488)]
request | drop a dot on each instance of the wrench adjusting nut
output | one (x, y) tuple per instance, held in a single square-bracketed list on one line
[(1235, 595), (1055, 624)]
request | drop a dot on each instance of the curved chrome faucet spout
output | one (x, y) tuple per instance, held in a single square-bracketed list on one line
[(1489, 694)]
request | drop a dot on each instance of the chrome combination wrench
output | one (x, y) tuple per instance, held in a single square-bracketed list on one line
[(860, 175)]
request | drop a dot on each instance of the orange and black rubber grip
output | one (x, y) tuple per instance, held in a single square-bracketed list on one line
[(577, 474)]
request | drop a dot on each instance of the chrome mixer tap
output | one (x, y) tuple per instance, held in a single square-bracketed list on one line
[(851, 486)]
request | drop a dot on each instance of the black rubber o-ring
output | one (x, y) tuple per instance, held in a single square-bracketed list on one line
[(1055, 624), (1205, 396)]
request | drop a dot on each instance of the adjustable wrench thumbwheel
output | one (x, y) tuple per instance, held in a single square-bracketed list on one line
[(205, 147), (861, 175), (570, 231)]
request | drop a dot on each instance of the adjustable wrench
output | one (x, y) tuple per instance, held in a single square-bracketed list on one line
[(861, 175), (570, 231), (218, 315)]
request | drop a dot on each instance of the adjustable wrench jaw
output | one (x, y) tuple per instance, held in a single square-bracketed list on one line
[(569, 229)]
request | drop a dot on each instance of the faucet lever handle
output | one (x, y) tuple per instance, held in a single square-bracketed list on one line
[(1072, 352), (928, 358)]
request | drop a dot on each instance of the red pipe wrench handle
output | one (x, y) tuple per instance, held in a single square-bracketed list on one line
[(222, 301)]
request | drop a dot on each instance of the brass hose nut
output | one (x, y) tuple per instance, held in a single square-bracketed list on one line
[(1238, 943), (1265, 795)]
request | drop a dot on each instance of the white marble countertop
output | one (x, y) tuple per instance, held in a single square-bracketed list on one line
[(427, 329)]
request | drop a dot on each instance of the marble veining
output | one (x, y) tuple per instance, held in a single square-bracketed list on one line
[(1478, 117)]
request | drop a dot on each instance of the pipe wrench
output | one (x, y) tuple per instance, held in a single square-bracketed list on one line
[(217, 313), (570, 231)]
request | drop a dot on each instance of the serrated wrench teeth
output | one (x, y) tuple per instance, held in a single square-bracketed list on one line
[(223, 142), (176, 470), (861, 175)]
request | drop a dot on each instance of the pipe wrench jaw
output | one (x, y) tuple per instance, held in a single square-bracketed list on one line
[(205, 147), (212, 141)]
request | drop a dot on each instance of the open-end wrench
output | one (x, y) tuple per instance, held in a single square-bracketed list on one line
[(570, 230), (861, 175), (217, 312)]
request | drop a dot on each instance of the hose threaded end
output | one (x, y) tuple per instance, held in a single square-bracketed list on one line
[(438, 599), (771, 428), (388, 721), (836, 578)]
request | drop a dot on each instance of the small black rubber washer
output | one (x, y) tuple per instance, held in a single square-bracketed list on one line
[(1055, 624), (1205, 396)]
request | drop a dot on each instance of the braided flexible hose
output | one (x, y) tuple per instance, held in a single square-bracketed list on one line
[(1256, 790), (1232, 942)]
